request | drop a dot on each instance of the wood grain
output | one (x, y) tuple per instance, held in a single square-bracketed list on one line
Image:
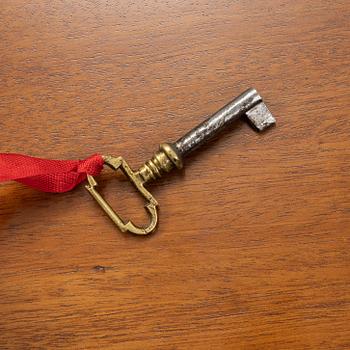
[(252, 251)]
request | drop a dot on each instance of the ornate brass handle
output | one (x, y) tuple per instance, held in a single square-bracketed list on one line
[(164, 160)]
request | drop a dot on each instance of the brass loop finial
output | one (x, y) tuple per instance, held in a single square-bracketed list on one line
[(163, 161)]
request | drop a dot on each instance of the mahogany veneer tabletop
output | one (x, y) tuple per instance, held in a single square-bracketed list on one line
[(252, 250)]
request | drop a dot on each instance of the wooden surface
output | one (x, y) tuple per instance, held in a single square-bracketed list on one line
[(253, 248)]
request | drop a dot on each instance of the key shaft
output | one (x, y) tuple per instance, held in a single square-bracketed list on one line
[(202, 133), (170, 155)]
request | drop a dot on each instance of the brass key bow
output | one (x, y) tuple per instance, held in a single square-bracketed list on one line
[(171, 155)]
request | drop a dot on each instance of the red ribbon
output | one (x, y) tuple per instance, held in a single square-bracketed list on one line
[(48, 175)]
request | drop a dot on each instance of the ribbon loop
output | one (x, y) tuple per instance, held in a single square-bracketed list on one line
[(48, 175)]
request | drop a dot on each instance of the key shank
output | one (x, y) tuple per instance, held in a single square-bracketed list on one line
[(217, 122), (249, 104)]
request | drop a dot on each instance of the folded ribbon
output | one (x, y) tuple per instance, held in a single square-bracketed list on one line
[(48, 175)]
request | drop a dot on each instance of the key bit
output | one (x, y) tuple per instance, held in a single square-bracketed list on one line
[(170, 155)]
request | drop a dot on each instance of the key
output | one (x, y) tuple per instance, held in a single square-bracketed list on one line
[(249, 105)]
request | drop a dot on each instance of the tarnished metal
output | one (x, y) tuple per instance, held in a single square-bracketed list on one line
[(170, 155), (220, 120)]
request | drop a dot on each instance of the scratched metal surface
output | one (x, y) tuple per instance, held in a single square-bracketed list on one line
[(220, 120)]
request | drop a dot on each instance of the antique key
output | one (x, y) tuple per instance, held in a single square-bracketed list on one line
[(170, 155)]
